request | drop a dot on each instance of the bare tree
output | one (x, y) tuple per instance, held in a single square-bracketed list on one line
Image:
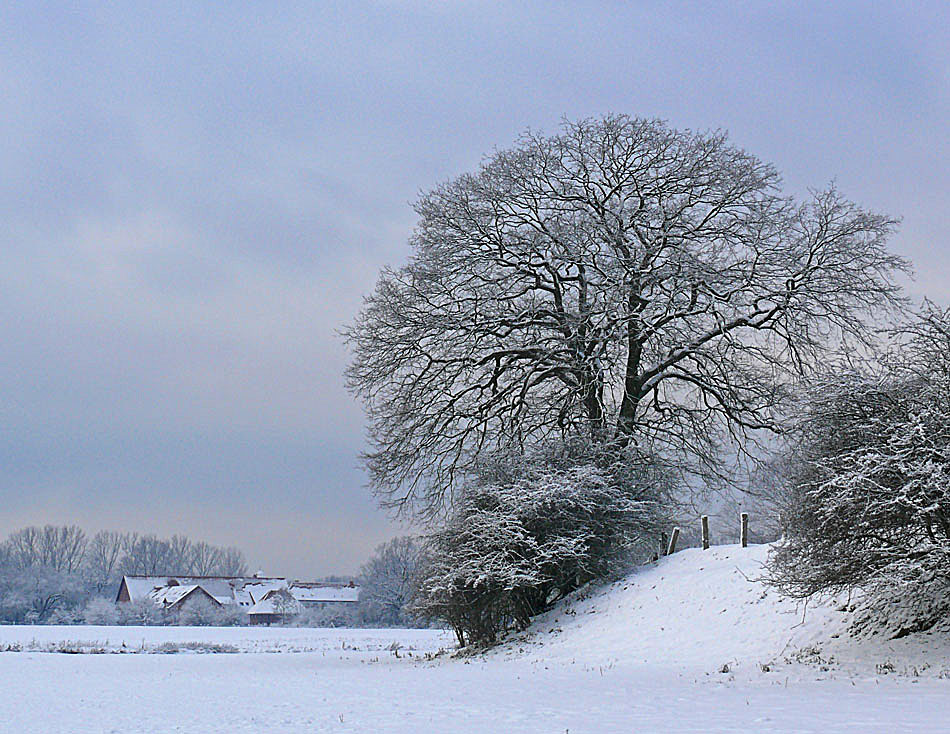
[(60, 548), (146, 555), (150, 555), (388, 581), (621, 279), (181, 555), (232, 562), (206, 559), (64, 547), (103, 556), (24, 547)]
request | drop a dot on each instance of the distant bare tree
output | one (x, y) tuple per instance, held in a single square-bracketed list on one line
[(64, 547), (103, 556), (24, 547), (150, 555), (388, 581), (206, 559), (146, 555), (621, 280), (181, 554), (232, 563), (58, 548)]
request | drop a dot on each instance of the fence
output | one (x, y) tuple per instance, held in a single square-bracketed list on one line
[(667, 549)]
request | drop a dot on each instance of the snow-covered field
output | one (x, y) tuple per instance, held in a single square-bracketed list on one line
[(136, 640), (689, 645)]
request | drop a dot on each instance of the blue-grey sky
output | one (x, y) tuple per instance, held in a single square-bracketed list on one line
[(195, 196)]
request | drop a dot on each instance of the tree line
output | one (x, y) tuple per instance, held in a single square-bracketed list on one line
[(60, 574), (51, 573)]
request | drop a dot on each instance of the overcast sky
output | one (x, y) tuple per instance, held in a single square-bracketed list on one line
[(194, 198)]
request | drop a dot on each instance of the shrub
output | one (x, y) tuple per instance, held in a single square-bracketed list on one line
[(100, 611), (205, 613), (867, 476), (329, 615), (528, 531), (140, 612)]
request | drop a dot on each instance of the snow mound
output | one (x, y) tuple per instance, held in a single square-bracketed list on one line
[(711, 611)]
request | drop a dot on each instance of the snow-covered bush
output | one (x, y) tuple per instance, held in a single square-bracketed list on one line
[(326, 615), (230, 615), (898, 610), (39, 594), (140, 612), (200, 613), (527, 531), (866, 482), (100, 611)]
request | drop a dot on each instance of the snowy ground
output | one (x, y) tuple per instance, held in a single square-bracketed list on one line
[(702, 610), (645, 655), (137, 640)]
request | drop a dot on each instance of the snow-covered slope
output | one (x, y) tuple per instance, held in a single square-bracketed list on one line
[(709, 611)]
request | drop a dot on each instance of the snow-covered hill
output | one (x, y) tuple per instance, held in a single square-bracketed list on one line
[(710, 611)]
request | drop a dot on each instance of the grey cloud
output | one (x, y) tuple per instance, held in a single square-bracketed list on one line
[(194, 200)]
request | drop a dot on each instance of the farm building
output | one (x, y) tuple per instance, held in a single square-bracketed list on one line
[(266, 599), (179, 598), (281, 604)]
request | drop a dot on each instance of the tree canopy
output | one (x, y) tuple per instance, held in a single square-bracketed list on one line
[(620, 280)]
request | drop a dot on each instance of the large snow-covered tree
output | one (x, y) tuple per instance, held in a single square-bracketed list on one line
[(621, 280)]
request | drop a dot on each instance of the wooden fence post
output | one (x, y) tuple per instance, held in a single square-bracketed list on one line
[(705, 521), (673, 538), (744, 532), (664, 544)]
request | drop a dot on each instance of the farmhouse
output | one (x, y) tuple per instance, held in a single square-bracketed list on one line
[(177, 598), (280, 604), (265, 599)]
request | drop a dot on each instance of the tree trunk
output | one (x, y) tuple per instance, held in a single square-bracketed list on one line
[(631, 383)]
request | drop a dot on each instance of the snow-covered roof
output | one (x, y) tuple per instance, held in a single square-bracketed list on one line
[(171, 595), (278, 601), (313, 593), (256, 591), (140, 587), (244, 590)]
